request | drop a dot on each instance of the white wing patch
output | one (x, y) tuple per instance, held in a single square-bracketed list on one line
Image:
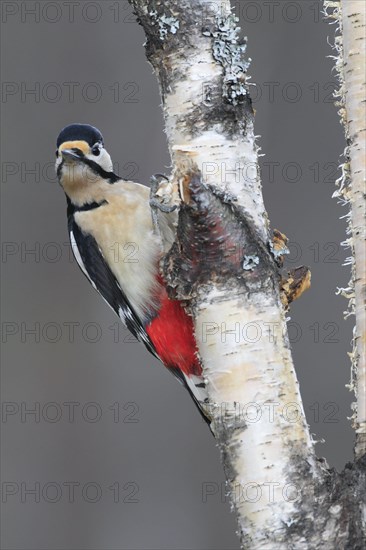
[(126, 316), (122, 314)]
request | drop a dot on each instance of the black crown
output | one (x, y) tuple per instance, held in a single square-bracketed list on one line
[(80, 132)]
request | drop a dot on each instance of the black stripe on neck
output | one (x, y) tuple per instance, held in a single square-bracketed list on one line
[(59, 170), (111, 177), (72, 208)]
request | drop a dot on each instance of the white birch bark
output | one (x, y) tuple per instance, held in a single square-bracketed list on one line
[(350, 63), (225, 265)]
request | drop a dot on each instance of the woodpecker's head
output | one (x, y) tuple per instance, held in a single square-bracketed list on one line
[(82, 163)]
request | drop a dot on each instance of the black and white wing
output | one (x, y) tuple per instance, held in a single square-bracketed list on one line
[(93, 264)]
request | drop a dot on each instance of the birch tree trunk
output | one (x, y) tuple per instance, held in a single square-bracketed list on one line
[(350, 16), (226, 265)]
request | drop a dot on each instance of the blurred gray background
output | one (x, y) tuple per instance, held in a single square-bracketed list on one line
[(115, 453)]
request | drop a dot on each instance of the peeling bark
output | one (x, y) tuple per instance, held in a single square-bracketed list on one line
[(350, 44), (226, 266)]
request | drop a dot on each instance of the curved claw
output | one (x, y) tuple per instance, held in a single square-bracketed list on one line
[(155, 181), (162, 207)]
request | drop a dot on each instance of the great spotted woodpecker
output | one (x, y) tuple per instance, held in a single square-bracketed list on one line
[(116, 245)]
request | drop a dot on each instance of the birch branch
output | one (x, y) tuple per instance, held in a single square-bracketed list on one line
[(350, 15), (226, 266)]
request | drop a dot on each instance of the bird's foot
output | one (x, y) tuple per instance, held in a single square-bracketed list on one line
[(160, 194)]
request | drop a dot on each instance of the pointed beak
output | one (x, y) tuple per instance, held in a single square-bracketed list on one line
[(72, 155)]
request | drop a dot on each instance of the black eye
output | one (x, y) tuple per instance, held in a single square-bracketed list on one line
[(96, 150)]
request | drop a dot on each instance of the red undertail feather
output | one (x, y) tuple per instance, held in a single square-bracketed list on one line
[(172, 334)]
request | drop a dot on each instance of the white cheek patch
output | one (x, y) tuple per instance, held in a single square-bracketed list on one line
[(104, 160)]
